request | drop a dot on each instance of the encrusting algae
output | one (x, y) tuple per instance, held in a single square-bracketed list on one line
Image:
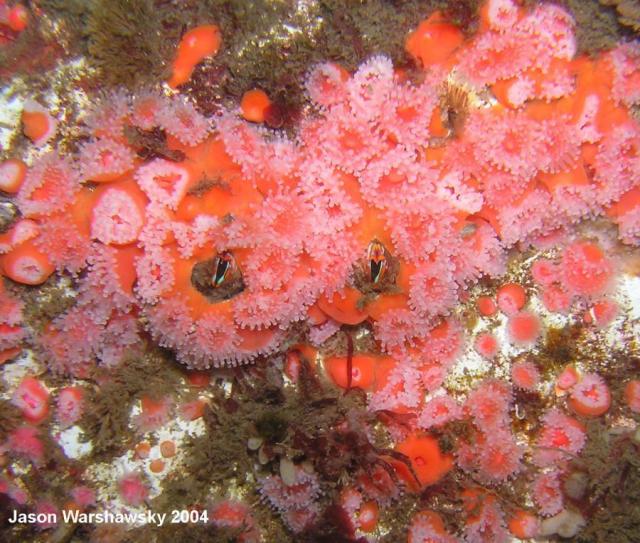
[(319, 272)]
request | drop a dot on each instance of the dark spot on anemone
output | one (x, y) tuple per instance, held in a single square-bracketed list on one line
[(454, 103), (218, 278), (468, 230), (150, 144), (376, 273), (8, 215), (274, 116)]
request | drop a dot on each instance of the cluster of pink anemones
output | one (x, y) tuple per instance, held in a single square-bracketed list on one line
[(560, 438), (295, 500)]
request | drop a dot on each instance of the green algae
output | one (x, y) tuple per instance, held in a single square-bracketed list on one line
[(10, 418), (612, 464), (560, 348), (69, 18), (298, 424), (106, 418), (45, 302), (33, 51), (186, 533), (266, 44), (628, 12), (397, 517), (597, 26), (127, 41), (124, 42), (272, 46), (16, 533)]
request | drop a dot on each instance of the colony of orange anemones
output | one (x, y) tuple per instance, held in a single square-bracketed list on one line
[(387, 205)]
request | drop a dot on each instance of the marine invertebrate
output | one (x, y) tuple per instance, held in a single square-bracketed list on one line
[(590, 396), (427, 461), (11, 331), (154, 413), (65, 242), (118, 215), (12, 174), (132, 489), (511, 298), (547, 493), (32, 398), (485, 520), (632, 395), (69, 404), (16, 16), (50, 185), (105, 159), (24, 441), (525, 375), (27, 264), (586, 269), (197, 44), (254, 105), (438, 411), (325, 83), (524, 327), (499, 457), (37, 123), (294, 499), (427, 526), (489, 403), (421, 42), (560, 434), (523, 524), (180, 119)]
